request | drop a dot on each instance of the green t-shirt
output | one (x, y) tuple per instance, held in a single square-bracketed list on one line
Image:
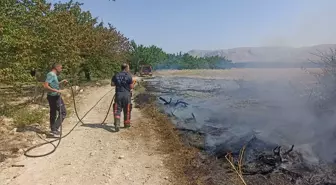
[(53, 83)]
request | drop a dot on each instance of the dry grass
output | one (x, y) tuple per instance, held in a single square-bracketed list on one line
[(246, 74), (237, 169), (170, 145), (12, 142), (14, 124)]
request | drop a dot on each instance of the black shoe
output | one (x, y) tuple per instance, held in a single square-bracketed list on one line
[(55, 133), (58, 132)]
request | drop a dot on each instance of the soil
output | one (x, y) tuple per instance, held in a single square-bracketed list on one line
[(95, 154)]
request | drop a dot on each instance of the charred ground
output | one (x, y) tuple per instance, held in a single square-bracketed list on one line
[(277, 151)]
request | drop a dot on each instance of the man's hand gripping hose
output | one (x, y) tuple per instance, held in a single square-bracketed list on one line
[(80, 120)]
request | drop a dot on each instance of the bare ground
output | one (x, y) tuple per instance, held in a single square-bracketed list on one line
[(247, 74), (94, 154)]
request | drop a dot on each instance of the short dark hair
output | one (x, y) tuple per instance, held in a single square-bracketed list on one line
[(54, 65), (124, 66)]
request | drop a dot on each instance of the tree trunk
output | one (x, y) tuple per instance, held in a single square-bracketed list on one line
[(42, 96), (87, 74)]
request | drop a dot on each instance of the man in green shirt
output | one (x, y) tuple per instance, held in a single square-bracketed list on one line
[(56, 104)]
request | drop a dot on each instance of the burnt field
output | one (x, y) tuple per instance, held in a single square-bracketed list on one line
[(268, 114)]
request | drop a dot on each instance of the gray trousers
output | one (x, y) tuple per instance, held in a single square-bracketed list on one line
[(57, 111), (122, 102)]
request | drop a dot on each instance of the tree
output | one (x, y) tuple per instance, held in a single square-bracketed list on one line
[(35, 35), (142, 55), (324, 94), (186, 61)]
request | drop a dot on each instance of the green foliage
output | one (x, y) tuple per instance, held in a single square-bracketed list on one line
[(35, 34), (141, 55), (22, 114), (186, 61), (6, 109), (25, 117), (159, 59)]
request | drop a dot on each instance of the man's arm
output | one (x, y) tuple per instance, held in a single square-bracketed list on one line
[(113, 81), (46, 86), (130, 82), (63, 81)]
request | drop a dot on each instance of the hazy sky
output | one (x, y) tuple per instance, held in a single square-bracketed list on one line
[(182, 25)]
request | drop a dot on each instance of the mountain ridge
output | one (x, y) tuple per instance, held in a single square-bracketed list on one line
[(267, 53)]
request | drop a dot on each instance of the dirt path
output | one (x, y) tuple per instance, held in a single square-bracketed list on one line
[(93, 154)]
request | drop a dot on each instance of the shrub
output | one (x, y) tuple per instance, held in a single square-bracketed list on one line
[(25, 117), (6, 109)]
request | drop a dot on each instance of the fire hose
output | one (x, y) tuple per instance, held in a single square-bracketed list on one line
[(80, 120)]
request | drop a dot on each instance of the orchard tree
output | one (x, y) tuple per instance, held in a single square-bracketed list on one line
[(35, 35)]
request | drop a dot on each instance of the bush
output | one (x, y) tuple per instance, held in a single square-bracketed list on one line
[(25, 117), (6, 109)]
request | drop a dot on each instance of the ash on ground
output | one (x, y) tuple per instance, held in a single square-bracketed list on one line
[(285, 140)]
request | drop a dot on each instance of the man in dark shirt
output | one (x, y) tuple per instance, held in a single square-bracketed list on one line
[(124, 85)]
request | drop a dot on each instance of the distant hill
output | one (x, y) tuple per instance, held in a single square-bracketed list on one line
[(267, 54)]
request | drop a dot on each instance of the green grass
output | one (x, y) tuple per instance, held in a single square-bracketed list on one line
[(139, 88), (22, 115), (25, 117), (6, 110)]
